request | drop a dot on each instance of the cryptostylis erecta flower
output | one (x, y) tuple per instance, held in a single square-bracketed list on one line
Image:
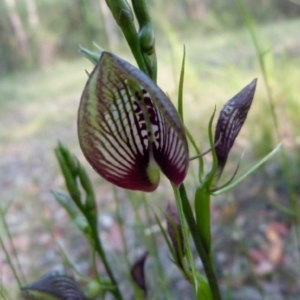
[(128, 128)]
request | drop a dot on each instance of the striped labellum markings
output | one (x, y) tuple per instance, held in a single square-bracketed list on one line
[(129, 129)]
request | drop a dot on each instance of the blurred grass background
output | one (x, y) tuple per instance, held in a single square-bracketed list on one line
[(42, 77)]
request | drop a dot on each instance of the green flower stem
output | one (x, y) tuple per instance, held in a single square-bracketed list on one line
[(180, 89), (202, 212), (124, 18), (9, 261), (142, 14), (74, 174), (286, 166), (146, 36), (205, 257), (13, 248), (99, 249), (180, 208)]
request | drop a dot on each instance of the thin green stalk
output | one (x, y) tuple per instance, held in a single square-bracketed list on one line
[(183, 220), (205, 257), (180, 89), (10, 263), (287, 170), (121, 224), (15, 254), (247, 173), (124, 17), (161, 273), (4, 294), (102, 255), (146, 36), (202, 212)]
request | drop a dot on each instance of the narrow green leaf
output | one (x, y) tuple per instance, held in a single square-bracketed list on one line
[(209, 178), (283, 209), (250, 171), (204, 292), (180, 90)]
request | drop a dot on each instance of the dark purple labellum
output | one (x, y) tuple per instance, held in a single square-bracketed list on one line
[(231, 120)]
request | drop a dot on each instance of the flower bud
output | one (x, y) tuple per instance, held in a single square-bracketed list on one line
[(138, 272), (121, 11), (230, 122)]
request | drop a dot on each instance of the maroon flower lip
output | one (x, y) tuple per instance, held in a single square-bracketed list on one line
[(129, 129)]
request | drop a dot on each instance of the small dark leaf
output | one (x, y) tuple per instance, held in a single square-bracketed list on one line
[(138, 273), (53, 286), (231, 120)]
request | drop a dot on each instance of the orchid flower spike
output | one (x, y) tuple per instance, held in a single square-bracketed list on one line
[(129, 129)]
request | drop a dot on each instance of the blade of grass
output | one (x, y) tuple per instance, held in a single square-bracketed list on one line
[(10, 263), (181, 203), (13, 248), (155, 251), (245, 175), (149, 240), (121, 225), (180, 90), (286, 166)]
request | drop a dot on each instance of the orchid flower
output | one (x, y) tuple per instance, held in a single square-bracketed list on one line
[(128, 128)]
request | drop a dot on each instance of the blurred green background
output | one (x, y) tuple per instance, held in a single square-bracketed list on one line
[(41, 80)]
